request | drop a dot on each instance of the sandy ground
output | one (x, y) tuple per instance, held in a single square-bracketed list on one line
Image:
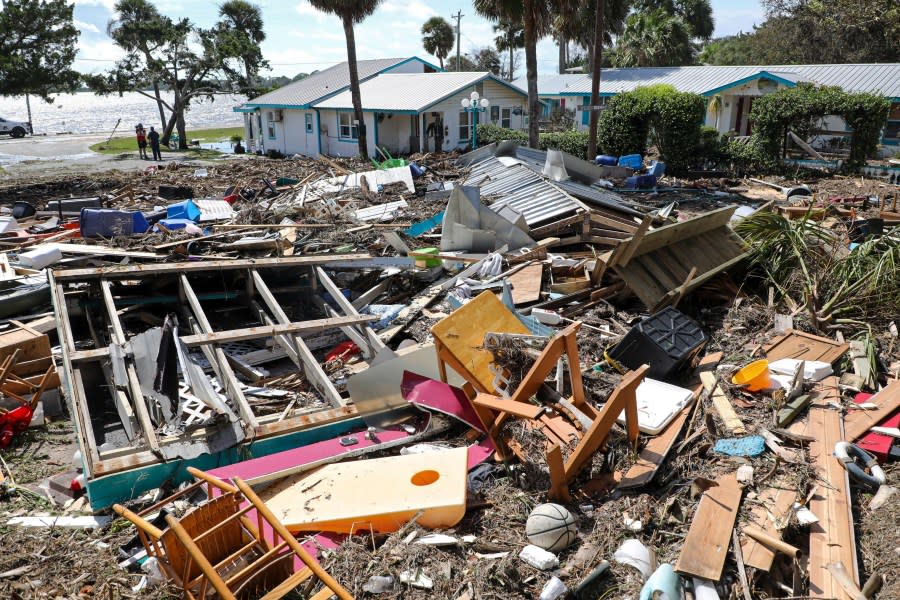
[(61, 154)]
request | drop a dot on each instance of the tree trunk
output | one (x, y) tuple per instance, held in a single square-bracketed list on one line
[(159, 105), (595, 80), (531, 72), (182, 131), (562, 53), (441, 62), (354, 88), (512, 62)]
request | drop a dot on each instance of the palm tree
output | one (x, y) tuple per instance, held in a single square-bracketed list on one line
[(536, 19), (511, 38), (579, 26), (715, 105), (696, 14), (350, 12), (242, 27), (654, 39), (438, 38)]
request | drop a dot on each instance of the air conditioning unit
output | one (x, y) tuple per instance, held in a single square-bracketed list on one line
[(275, 115)]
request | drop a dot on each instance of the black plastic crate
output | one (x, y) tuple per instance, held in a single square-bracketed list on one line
[(666, 341)]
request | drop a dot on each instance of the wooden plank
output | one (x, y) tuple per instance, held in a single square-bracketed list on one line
[(372, 343), (831, 540), (721, 403), (168, 268), (800, 345), (264, 331), (706, 545), (773, 503), (526, 284), (304, 357), (518, 409), (634, 243), (858, 422)]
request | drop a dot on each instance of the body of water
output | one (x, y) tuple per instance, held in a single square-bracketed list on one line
[(86, 112)]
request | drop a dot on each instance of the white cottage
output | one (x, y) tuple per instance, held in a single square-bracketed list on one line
[(408, 106)]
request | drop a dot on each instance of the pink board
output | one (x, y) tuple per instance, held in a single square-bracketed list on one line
[(877, 444), (478, 453), (439, 396), (326, 450)]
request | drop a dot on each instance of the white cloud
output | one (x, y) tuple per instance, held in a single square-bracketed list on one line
[(415, 9), (307, 10), (108, 4), (82, 26)]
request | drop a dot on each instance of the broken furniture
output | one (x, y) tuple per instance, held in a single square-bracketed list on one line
[(15, 411), (459, 343), (103, 304), (663, 265), (222, 546)]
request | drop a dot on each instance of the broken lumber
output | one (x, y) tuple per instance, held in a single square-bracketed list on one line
[(858, 422), (706, 545), (721, 403)]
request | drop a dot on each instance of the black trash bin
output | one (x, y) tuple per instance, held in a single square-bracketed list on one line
[(666, 341)]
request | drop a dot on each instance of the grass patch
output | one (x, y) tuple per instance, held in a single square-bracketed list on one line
[(127, 144)]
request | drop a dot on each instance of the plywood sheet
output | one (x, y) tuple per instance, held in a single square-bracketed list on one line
[(831, 539), (526, 284), (706, 545), (858, 422), (380, 494), (805, 346)]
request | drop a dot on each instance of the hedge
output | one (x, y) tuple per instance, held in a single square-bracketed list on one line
[(572, 142)]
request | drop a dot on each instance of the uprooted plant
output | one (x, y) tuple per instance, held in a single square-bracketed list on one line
[(812, 270)]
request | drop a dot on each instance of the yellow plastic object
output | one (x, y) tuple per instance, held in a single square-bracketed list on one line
[(380, 494), (754, 376)]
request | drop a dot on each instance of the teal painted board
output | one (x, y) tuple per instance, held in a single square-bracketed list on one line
[(126, 485)]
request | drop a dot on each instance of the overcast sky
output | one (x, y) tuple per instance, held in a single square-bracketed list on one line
[(301, 39)]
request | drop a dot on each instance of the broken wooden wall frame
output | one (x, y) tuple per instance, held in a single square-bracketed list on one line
[(120, 473)]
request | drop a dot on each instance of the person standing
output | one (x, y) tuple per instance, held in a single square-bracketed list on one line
[(141, 135), (153, 136)]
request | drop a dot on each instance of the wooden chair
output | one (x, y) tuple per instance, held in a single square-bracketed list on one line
[(458, 342), (218, 549)]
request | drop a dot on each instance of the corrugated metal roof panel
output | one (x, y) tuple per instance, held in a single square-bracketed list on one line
[(405, 91), (328, 81), (876, 78)]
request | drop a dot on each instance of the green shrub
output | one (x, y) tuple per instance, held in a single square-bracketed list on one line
[(488, 134), (573, 142), (659, 115)]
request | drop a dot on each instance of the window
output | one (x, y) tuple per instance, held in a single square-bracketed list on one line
[(309, 123), (347, 128), (495, 114), (505, 119), (463, 126), (271, 128)]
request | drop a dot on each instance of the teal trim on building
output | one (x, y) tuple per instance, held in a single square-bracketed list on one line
[(585, 115), (754, 77), (318, 132)]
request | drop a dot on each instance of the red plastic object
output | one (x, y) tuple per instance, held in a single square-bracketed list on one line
[(877, 444), (13, 422), (343, 351), (231, 199)]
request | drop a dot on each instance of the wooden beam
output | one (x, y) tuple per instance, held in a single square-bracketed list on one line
[(631, 245), (169, 268), (225, 371), (518, 409), (255, 333), (858, 422), (304, 357), (721, 403), (134, 385), (706, 545), (374, 342)]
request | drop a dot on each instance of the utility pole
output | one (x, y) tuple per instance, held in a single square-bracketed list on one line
[(458, 16)]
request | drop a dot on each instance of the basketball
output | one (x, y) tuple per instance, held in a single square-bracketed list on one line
[(551, 527)]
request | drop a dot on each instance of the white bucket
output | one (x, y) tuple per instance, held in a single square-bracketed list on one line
[(40, 257)]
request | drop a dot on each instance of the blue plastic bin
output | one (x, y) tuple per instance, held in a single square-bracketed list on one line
[(640, 182), (657, 169), (632, 161), (606, 160), (173, 224), (183, 210), (108, 222)]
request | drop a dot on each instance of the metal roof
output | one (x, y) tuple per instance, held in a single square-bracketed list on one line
[(523, 190), (879, 78), (408, 92), (329, 81)]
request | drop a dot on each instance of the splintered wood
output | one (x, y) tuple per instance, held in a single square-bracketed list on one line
[(831, 540), (723, 406), (706, 545)]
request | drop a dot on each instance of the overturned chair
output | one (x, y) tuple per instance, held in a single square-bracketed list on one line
[(220, 548), (459, 345)]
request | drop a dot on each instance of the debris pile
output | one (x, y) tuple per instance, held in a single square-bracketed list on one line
[(510, 374)]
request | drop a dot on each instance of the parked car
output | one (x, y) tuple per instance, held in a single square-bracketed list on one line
[(16, 129)]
